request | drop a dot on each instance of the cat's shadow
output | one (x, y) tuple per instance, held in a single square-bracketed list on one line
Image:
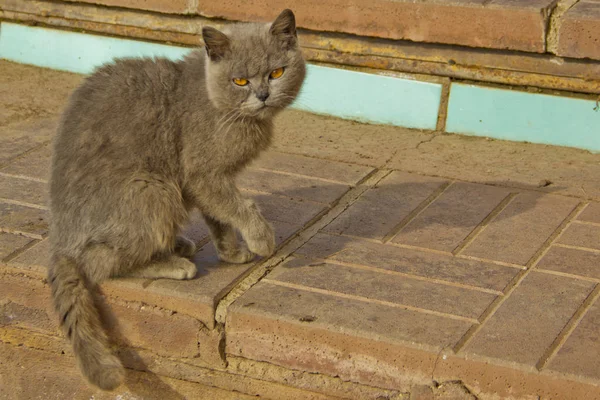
[(139, 379)]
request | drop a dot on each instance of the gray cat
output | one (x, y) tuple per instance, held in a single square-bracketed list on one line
[(144, 141)]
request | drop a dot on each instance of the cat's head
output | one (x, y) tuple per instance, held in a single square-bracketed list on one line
[(254, 70)]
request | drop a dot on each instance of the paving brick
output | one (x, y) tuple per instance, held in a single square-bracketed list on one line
[(381, 208), (57, 377), (374, 285), (591, 213), (22, 137), (579, 31), (196, 229), (305, 331), (295, 187), (23, 190), (168, 7), (349, 174), (282, 209), (581, 235), (502, 24), (580, 353), (571, 261), (35, 164), (408, 261), (10, 243), (530, 319), (452, 217), (20, 219), (518, 232), (36, 258)]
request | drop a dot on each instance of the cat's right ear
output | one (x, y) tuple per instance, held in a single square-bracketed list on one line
[(215, 42)]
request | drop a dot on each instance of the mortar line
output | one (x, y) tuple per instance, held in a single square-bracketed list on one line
[(20, 250), (368, 300), (21, 233), (490, 261), (282, 196), (305, 234), (26, 153), (516, 282), (568, 329), (579, 222), (407, 275), (443, 107), (568, 246), (316, 178), (484, 223), (24, 177), (417, 211), (23, 203), (567, 275)]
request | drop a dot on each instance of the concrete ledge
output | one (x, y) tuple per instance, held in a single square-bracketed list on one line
[(399, 100)]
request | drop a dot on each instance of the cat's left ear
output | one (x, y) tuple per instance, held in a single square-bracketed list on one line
[(216, 43), (284, 27)]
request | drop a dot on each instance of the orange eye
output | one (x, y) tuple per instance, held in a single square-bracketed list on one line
[(240, 81), (276, 74)]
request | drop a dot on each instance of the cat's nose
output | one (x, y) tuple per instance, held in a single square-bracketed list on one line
[(262, 96)]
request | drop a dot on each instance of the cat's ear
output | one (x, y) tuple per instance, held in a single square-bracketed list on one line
[(215, 42), (284, 28)]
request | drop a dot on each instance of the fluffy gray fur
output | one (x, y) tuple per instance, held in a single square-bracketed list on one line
[(144, 141)]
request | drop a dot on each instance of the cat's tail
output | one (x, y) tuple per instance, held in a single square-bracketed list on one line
[(80, 320)]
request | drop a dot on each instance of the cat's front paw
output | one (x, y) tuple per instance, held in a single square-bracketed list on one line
[(184, 247), (238, 256), (262, 241)]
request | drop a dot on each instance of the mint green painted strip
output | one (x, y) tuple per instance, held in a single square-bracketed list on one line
[(337, 92), (71, 51), (520, 116), (370, 98)]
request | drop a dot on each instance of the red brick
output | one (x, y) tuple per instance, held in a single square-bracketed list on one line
[(294, 187), (518, 232), (581, 235), (36, 258), (571, 261), (501, 24), (168, 7), (408, 261), (374, 285), (339, 172), (580, 353), (380, 209), (367, 343), (530, 319), (297, 212), (23, 190), (451, 217), (591, 213), (579, 32), (10, 243), (20, 219), (35, 164)]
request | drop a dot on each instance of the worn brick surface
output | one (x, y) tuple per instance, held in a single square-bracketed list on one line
[(23, 190), (571, 261), (397, 290), (20, 219), (56, 376), (518, 232), (169, 7), (434, 266), (579, 32), (339, 172), (503, 24), (530, 319), (581, 235), (379, 210), (296, 187), (581, 352), (10, 243), (452, 217), (591, 213), (35, 164), (21, 137)]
